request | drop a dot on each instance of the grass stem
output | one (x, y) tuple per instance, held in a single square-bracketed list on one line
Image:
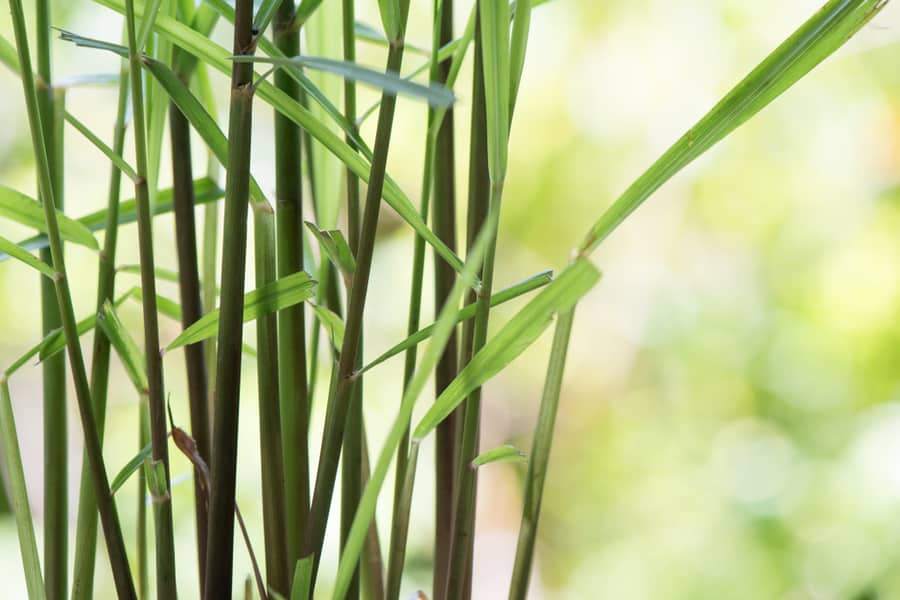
[(165, 544), (109, 517), (339, 400), (291, 321), (220, 544)]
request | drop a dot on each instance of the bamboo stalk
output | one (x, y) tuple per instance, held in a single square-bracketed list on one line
[(351, 461), (474, 337), (86, 529), (540, 457), (165, 544), (53, 370), (220, 543), (444, 223), (112, 529), (270, 427), (291, 321), (339, 400), (191, 309)]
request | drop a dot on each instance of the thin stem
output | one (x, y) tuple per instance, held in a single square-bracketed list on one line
[(444, 223), (400, 513), (339, 400), (86, 530), (191, 309), (291, 321), (111, 527), (143, 570), (53, 370), (540, 457), (351, 467), (220, 544), (400, 524), (483, 197), (19, 496), (270, 427), (165, 545)]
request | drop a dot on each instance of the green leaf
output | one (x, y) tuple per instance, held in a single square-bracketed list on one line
[(86, 42), (205, 190), (505, 453), (813, 42), (532, 283), (367, 33), (54, 341), (130, 468), (332, 323), (14, 475), (24, 256), (160, 273), (117, 334), (302, 579), (495, 48), (435, 94), (512, 339), (445, 324), (217, 57), (24, 210), (8, 55), (517, 48), (304, 12), (334, 246), (275, 296), (390, 17), (117, 160)]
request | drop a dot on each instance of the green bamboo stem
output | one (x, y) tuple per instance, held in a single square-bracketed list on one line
[(482, 197), (444, 223), (165, 544), (210, 238), (143, 558), (270, 426), (19, 496), (400, 524), (53, 370), (539, 457), (220, 544), (112, 529), (291, 321), (339, 400), (371, 569), (86, 529), (191, 310), (400, 510), (351, 461)]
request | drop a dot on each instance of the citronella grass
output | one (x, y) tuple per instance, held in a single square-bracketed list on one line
[(282, 362), (351, 459), (112, 529), (56, 505), (291, 321), (444, 222), (191, 304), (86, 530), (220, 543), (162, 502), (339, 400)]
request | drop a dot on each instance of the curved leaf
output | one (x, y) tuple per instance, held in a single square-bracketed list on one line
[(435, 94), (273, 297), (18, 207), (20, 254), (813, 42), (512, 339)]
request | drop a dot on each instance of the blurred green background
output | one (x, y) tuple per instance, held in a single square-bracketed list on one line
[(730, 424)]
